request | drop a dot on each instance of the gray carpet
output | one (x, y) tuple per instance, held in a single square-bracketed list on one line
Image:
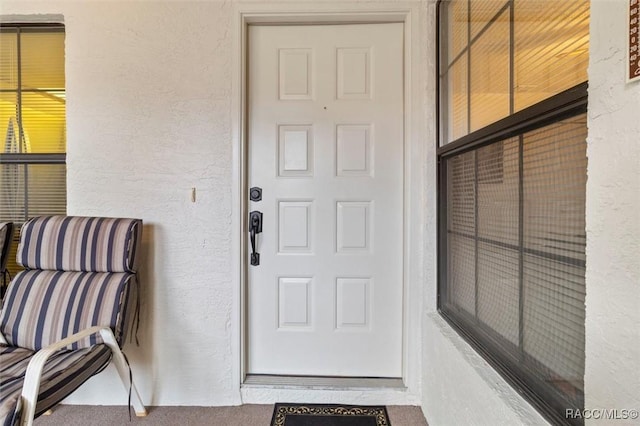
[(245, 415)]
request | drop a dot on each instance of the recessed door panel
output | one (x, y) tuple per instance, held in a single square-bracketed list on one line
[(354, 73), (296, 73), (354, 154), (295, 226), (294, 303), (295, 150), (354, 226), (352, 304)]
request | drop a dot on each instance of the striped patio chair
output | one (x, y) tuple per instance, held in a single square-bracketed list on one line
[(66, 315), (6, 235)]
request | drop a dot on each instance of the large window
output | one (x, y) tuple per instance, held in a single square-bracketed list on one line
[(32, 123), (512, 171)]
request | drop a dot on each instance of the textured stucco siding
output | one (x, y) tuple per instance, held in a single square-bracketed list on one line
[(612, 376)]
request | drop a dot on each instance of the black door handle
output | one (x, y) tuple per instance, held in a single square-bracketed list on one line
[(255, 227)]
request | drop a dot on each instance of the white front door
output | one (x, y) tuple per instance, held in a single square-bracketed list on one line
[(325, 144)]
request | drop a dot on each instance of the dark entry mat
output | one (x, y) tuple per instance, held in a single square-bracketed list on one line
[(329, 415)]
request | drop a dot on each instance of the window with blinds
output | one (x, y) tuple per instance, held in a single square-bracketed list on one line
[(32, 123), (512, 170)]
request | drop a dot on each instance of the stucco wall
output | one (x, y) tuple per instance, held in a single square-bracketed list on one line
[(612, 379), (148, 107), (460, 388)]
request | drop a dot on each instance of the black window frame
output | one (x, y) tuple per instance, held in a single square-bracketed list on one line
[(569, 103)]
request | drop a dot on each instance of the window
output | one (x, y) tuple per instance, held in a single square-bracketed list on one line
[(32, 123), (512, 182)]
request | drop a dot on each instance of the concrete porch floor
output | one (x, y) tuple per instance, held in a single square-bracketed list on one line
[(244, 415)]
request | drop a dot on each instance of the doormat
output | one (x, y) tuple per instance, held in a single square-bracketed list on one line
[(329, 415)]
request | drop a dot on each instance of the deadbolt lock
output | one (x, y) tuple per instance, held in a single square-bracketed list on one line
[(255, 194)]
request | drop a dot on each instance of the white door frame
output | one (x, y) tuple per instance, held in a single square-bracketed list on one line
[(408, 13)]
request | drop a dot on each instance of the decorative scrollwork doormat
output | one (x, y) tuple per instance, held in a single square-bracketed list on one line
[(329, 415)]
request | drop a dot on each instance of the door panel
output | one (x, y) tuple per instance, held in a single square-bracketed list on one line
[(325, 142)]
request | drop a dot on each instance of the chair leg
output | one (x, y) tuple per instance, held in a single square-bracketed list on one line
[(123, 371), (29, 396)]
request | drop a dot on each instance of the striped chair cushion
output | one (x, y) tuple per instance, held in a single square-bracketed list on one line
[(43, 307), (6, 232), (91, 244), (63, 373)]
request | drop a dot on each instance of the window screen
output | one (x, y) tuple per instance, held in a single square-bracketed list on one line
[(516, 250), (32, 123), (512, 168)]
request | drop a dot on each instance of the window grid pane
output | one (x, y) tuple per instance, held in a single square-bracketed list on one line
[(554, 182), (458, 99), (551, 48), (28, 190), (42, 59), (498, 236), (498, 290), (457, 30), (461, 232), (9, 59), (43, 118), (483, 12), (9, 128), (489, 91)]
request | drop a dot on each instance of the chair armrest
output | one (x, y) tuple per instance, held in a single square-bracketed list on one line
[(33, 374)]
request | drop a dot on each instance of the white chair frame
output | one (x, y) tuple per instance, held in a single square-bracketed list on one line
[(33, 375)]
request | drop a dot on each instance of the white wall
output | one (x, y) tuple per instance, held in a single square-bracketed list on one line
[(612, 379)]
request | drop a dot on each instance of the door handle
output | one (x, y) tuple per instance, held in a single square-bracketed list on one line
[(255, 227)]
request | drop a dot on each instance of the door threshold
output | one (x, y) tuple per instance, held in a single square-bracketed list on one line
[(322, 382)]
